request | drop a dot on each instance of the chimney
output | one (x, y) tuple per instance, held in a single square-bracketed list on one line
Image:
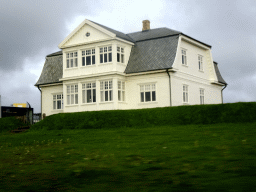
[(146, 25)]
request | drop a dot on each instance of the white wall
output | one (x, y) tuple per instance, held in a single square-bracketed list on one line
[(47, 98)]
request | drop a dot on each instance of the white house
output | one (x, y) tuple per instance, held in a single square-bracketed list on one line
[(103, 69)]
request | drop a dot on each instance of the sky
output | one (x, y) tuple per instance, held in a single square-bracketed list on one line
[(31, 29)]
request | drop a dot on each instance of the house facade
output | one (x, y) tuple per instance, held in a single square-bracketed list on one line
[(99, 68)]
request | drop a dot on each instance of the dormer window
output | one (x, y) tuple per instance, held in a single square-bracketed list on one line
[(71, 59), (120, 54), (88, 57), (106, 54)]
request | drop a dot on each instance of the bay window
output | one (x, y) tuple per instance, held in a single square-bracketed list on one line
[(89, 92), (88, 57), (120, 54), (106, 54), (71, 60), (106, 91), (72, 94)]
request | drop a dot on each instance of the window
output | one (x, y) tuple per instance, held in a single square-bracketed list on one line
[(184, 57), (121, 90), (89, 92), (106, 91), (120, 54), (105, 54), (201, 96), (57, 101), (185, 94), (200, 62), (71, 59), (72, 94), (148, 93), (88, 57)]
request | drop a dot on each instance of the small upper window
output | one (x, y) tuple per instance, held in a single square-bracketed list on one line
[(106, 54), (184, 57), (200, 62), (120, 54), (71, 59), (185, 94)]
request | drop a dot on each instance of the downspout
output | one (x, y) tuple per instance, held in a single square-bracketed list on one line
[(169, 86), (222, 93), (41, 100)]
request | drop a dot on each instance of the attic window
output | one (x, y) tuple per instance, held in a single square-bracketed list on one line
[(87, 34)]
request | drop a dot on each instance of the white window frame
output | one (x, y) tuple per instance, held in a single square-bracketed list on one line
[(71, 59), (72, 94), (57, 98), (148, 92), (120, 54), (184, 57), (106, 54), (201, 91), (121, 90), (90, 54), (185, 93), (106, 91), (89, 92), (200, 63)]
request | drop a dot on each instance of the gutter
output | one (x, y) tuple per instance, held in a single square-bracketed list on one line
[(41, 100), (222, 93), (169, 86)]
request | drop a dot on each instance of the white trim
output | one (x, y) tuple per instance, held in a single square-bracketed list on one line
[(189, 40)]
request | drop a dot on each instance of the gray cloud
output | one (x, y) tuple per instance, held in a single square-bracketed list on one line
[(32, 29)]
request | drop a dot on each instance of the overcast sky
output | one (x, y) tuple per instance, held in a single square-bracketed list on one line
[(32, 29)]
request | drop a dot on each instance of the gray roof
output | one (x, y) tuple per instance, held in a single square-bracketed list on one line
[(52, 70), (153, 49), (220, 79), (152, 54)]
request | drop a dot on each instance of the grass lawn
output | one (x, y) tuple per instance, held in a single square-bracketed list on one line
[(219, 157)]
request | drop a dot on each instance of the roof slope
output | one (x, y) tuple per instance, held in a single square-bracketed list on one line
[(220, 78), (152, 54), (52, 70)]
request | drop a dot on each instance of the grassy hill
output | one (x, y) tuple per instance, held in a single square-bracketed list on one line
[(173, 157), (171, 116)]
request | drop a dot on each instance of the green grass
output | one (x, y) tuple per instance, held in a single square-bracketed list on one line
[(167, 116), (213, 157), (10, 123)]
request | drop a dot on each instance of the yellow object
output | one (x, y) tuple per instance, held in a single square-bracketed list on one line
[(24, 105)]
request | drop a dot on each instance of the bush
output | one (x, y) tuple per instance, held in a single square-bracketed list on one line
[(171, 116), (10, 123)]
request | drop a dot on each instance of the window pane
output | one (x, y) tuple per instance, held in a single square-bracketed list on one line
[(105, 58), (102, 96), (122, 58), (72, 99), (83, 96), (147, 96), (101, 58), (83, 61), (68, 99), (75, 62), (119, 95), (76, 98), (153, 96), (68, 89), (59, 104), (89, 96), (110, 95), (71, 62), (123, 96), (67, 63), (118, 57), (54, 104), (106, 95), (58, 96), (88, 60), (142, 96), (93, 59), (94, 95), (106, 84), (110, 84), (110, 57)]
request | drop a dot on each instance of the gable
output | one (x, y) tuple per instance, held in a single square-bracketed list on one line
[(80, 37)]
